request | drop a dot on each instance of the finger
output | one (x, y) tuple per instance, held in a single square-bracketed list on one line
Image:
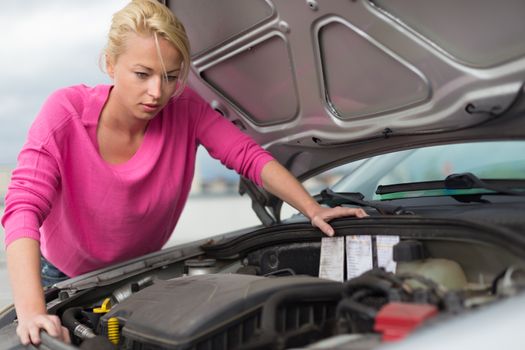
[(34, 334), (338, 212), (46, 323), (330, 213), (357, 212), (65, 335), (56, 321), (23, 334), (361, 213), (51, 328), (323, 226)]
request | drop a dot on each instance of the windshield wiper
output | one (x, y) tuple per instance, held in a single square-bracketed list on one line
[(332, 199), (462, 181), (469, 180)]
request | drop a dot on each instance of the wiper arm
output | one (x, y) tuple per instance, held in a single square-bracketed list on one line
[(456, 181), (332, 198), (469, 180)]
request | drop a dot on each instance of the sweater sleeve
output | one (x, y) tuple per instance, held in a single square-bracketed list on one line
[(225, 142), (35, 180)]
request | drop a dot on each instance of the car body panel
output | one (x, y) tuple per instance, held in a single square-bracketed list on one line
[(305, 77)]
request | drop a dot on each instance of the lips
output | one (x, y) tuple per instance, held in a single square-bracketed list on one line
[(150, 107)]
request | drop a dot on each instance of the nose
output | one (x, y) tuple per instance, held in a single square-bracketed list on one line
[(155, 87)]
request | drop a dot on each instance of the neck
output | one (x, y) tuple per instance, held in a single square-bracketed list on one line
[(115, 117)]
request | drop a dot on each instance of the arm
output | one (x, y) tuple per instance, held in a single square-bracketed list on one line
[(28, 201), (277, 180), (23, 263), (238, 151), (225, 142)]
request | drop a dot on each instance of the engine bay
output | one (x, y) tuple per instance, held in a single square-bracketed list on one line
[(270, 296)]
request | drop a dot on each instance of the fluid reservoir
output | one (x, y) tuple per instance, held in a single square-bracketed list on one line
[(411, 257)]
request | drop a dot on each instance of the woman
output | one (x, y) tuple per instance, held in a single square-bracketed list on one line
[(106, 170)]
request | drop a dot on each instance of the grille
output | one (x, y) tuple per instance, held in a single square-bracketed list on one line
[(234, 335)]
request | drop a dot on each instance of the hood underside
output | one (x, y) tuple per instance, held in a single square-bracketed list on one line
[(319, 83)]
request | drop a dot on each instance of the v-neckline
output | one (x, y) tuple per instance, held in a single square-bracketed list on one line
[(142, 151)]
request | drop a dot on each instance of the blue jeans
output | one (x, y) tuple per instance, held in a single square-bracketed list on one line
[(50, 274)]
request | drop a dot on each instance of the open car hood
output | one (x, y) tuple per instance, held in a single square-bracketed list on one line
[(321, 83)]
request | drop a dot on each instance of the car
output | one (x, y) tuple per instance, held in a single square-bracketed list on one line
[(422, 103)]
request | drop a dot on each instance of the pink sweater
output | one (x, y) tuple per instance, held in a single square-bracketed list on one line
[(87, 213)]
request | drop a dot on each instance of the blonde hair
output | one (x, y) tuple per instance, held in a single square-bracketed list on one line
[(149, 17)]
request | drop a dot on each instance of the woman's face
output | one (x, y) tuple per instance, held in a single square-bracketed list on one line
[(141, 87)]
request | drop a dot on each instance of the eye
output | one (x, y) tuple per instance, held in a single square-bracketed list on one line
[(141, 75), (171, 78)]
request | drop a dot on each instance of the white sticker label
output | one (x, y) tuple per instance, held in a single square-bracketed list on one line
[(332, 261), (385, 246), (358, 255)]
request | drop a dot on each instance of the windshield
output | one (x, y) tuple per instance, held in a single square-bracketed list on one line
[(487, 160)]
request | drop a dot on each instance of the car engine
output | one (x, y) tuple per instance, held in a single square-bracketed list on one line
[(274, 299)]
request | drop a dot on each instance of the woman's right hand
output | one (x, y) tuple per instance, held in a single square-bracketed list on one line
[(28, 329), (23, 264)]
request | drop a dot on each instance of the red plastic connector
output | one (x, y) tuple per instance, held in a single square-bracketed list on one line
[(396, 320)]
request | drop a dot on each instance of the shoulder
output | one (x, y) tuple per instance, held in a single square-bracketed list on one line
[(73, 98), (64, 101), (60, 108)]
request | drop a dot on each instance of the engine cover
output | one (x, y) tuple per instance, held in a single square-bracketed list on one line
[(224, 311)]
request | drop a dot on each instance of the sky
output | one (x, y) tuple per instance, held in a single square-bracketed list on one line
[(46, 45)]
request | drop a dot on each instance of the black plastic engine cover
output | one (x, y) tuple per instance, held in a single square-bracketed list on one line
[(179, 313)]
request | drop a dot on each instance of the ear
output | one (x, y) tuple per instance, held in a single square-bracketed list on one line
[(110, 67)]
